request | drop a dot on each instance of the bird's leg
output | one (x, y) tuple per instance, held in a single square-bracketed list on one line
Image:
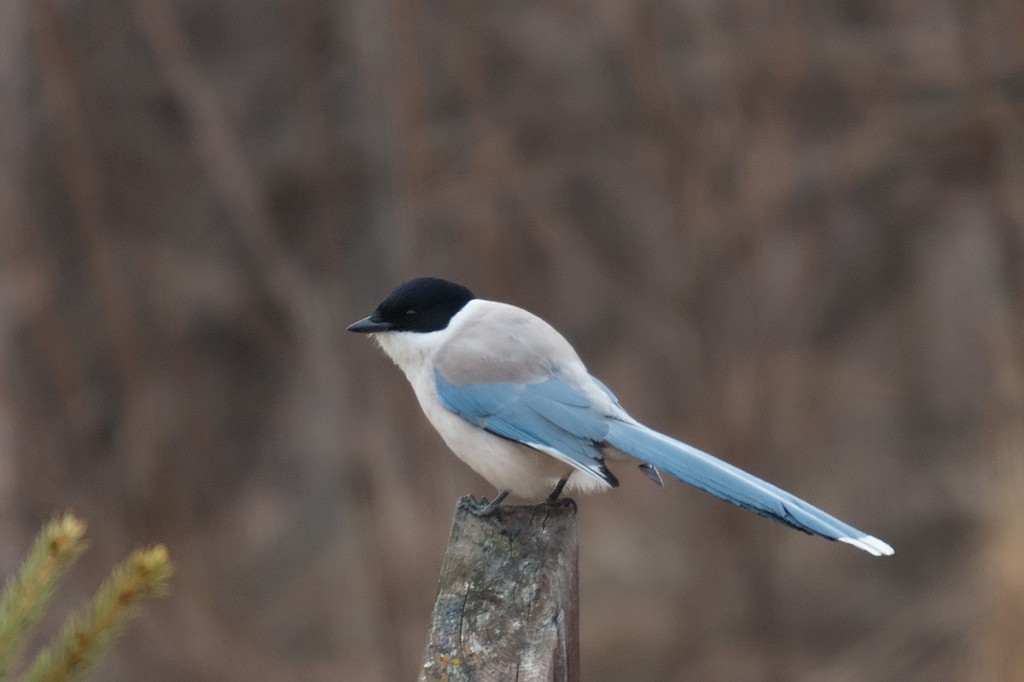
[(553, 499), (557, 491), (481, 507)]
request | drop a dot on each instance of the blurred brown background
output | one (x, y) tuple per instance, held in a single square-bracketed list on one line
[(790, 232)]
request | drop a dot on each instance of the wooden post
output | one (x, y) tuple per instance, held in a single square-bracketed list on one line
[(507, 602)]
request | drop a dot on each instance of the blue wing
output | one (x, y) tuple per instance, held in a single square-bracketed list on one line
[(549, 415)]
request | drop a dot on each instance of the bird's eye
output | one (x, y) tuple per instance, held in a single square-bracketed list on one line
[(410, 312)]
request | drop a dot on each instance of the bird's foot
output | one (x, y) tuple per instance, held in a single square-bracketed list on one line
[(553, 500), (561, 502), (481, 507)]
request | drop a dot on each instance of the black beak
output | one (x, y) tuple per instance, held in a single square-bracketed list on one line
[(370, 324)]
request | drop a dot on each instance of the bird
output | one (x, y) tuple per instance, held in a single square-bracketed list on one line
[(513, 400)]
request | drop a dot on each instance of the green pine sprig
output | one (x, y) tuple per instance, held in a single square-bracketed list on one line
[(144, 574), (26, 595)]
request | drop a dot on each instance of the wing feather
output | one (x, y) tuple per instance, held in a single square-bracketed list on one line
[(549, 415)]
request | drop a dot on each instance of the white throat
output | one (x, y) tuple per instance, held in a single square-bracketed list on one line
[(409, 350)]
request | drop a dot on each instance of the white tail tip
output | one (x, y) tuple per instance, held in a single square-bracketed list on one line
[(869, 544)]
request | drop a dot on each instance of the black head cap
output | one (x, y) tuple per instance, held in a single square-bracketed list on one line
[(425, 304)]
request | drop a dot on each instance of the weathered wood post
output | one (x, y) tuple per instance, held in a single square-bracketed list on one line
[(507, 602)]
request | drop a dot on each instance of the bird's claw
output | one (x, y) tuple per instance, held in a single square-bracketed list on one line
[(561, 502), (481, 507)]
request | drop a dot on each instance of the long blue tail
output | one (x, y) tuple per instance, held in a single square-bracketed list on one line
[(731, 484)]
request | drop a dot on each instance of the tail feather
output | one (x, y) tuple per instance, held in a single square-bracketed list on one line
[(734, 485)]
